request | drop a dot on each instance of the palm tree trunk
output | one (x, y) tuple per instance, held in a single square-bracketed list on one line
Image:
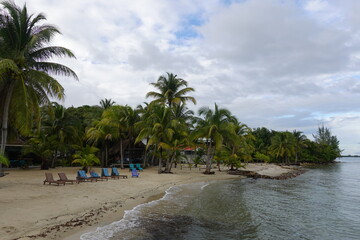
[(54, 159), (145, 155), (145, 159), (167, 165), (208, 160), (5, 119), (171, 163), (121, 155), (160, 161), (106, 155), (153, 156)]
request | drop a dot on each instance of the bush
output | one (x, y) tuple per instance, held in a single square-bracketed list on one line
[(262, 157)]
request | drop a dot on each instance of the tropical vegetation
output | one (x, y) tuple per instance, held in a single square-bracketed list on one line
[(156, 133)]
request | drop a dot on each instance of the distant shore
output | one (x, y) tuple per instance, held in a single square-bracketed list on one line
[(31, 210)]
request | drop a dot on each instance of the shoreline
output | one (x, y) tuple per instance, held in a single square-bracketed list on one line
[(36, 211)]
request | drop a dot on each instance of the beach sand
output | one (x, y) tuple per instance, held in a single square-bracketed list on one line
[(31, 210)]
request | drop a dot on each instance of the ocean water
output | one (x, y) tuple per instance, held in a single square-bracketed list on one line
[(323, 203)]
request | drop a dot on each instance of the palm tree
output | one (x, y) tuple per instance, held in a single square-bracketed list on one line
[(214, 126), (129, 119), (106, 103), (239, 143), (158, 128), (283, 145), (103, 134), (56, 128), (3, 160), (112, 118), (25, 81), (85, 156), (171, 91), (300, 143)]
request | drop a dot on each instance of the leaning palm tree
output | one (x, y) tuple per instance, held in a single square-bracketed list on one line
[(25, 72), (172, 90)]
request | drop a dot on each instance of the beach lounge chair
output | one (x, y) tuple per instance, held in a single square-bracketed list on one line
[(50, 179), (93, 174), (131, 167), (135, 173), (64, 178), (115, 172), (138, 166), (81, 176), (105, 173)]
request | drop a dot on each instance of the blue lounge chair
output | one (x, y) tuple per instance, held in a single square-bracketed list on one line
[(134, 173), (81, 176), (105, 173), (115, 172), (131, 167), (95, 175), (138, 166)]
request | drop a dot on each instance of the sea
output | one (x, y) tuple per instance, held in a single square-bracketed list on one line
[(323, 203)]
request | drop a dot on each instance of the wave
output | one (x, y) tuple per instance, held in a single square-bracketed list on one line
[(131, 217)]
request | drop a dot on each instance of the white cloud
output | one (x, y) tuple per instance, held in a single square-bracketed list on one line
[(281, 64)]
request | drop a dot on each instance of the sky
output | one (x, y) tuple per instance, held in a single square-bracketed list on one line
[(279, 64)]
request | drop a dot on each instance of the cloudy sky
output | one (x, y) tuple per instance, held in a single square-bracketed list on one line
[(281, 64)]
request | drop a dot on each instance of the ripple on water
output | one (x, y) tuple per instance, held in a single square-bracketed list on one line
[(320, 204)]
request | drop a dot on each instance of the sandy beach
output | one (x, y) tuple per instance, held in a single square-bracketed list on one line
[(31, 210)]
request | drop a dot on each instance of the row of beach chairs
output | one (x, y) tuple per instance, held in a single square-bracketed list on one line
[(137, 166), (82, 177)]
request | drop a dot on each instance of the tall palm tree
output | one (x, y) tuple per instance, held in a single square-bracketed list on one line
[(112, 118), (239, 142), (130, 116), (172, 90), (158, 128), (57, 129), (25, 72), (102, 134), (214, 127)]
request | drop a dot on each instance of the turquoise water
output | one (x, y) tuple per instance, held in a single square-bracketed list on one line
[(323, 203)]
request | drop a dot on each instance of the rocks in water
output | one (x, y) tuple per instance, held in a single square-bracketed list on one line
[(255, 175)]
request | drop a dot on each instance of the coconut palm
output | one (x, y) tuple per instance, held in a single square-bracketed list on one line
[(4, 160), (85, 156), (129, 118), (56, 128), (213, 127), (158, 128), (101, 134), (25, 72), (239, 143), (283, 146), (300, 143), (172, 90), (112, 118)]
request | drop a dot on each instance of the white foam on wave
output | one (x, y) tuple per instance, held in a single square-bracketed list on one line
[(204, 186), (127, 222), (131, 216)]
